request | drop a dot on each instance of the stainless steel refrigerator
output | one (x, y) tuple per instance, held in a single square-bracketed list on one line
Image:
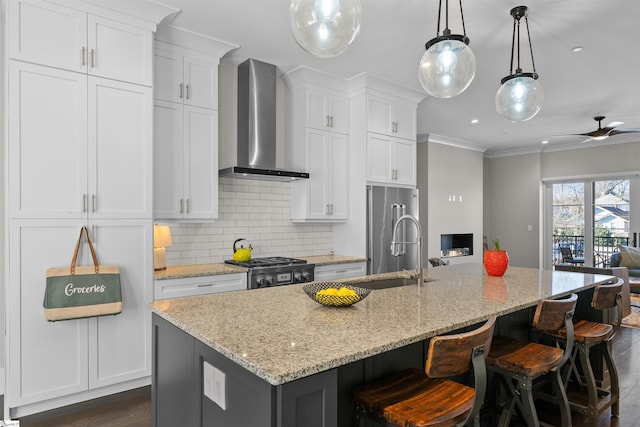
[(384, 206)]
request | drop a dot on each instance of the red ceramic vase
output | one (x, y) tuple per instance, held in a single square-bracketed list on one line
[(496, 262)]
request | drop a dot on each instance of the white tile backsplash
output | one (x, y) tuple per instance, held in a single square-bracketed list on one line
[(256, 210)]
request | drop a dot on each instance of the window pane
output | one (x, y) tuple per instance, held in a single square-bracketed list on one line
[(568, 219), (610, 218)]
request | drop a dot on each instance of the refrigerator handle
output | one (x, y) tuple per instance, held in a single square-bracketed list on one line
[(398, 210)]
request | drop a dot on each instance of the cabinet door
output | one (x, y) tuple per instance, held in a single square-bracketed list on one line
[(120, 346), (120, 51), (168, 160), (167, 76), (48, 34), (339, 177), (405, 162), (405, 122), (201, 171), (380, 115), (47, 359), (379, 164), (317, 114), (200, 83), (339, 110), (318, 152), (120, 149), (47, 142)]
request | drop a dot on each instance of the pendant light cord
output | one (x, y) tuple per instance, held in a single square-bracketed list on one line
[(533, 64)]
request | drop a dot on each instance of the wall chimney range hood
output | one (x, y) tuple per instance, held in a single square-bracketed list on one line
[(256, 147)]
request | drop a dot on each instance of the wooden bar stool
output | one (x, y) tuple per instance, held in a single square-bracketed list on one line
[(588, 335), (415, 397), (519, 363)]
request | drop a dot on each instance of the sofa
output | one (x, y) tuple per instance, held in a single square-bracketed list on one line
[(629, 257)]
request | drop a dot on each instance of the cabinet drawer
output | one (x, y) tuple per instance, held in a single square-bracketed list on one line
[(340, 271), (192, 286)]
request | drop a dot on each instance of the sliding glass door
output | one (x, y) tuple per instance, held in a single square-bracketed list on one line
[(587, 219)]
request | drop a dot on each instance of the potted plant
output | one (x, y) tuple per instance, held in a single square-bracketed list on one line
[(496, 260)]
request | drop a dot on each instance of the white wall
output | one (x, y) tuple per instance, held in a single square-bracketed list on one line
[(258, 211), (2, 132), (514, 184), (512, 204), (451, 172)]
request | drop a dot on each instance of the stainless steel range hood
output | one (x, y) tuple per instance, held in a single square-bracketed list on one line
[(256, 148)]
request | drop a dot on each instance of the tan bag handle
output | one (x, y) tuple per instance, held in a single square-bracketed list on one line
[(96, 266)]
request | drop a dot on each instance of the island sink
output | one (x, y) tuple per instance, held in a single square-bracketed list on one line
[(388, 283)]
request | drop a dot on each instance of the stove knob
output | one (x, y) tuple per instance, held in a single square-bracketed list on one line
[(269, 281), (260, 282), (297, 277), (306, 276)]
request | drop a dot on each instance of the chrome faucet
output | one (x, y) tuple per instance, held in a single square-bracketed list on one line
[(396, 246)]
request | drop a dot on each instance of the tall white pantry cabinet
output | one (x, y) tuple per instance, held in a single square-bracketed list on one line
[(79, 152)]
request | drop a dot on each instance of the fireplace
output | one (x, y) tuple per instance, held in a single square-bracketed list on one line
[(453, 245)]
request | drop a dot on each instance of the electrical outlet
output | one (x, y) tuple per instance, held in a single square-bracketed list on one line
[(215, 386)]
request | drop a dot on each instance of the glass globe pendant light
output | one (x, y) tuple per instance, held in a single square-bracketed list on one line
[(325, 28), (520, 97), (449, 65)]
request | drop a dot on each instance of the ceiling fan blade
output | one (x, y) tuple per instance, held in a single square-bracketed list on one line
[(614, 124), (617, 132)]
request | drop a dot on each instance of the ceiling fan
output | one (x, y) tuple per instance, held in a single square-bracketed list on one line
[(605, 132)]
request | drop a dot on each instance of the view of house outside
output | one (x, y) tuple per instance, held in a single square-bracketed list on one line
[(609, 213)]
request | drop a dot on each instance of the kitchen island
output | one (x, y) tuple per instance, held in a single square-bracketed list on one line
[(291, 360)]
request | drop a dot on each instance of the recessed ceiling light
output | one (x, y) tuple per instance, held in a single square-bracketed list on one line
[(577, 49), (474, 121), (545, 142)]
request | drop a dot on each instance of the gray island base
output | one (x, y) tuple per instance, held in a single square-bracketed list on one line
[(273, 357)]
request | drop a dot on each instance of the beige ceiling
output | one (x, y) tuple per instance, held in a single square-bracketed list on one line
[(602, 79)]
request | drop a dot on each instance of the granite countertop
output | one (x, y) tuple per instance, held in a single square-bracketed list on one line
[(332, 259), (281, 335), (196, 270)]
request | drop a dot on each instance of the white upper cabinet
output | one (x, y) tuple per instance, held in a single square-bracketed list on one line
[(319, 131), (80, 146), (185, 79), (327, 111), (324, 196), (391, 117), (49, 34), (185, 162), (391, 160)]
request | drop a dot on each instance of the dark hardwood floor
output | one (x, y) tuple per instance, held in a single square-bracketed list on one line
[(133, 409)]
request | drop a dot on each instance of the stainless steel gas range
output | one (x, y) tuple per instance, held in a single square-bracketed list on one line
[(276, 271)]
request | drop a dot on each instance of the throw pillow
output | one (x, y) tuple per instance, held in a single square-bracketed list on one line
[(629, 257)]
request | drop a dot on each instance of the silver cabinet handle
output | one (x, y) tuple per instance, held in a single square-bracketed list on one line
[(181, 206), (326, 121), (187, 91), (188, 207), (93, 60), (83, 60), (180, 86), (84, 203), (205, 285), (93, 203), (331, 121)]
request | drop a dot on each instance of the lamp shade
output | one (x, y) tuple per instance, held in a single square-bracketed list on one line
[(161, 236), (447, 68), (519, 98), (325, 28)]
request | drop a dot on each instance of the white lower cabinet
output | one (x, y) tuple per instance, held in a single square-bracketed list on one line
[(51, 364), (340, 271), (203, 285)]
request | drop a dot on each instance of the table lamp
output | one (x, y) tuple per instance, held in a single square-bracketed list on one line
[(161, 239)]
